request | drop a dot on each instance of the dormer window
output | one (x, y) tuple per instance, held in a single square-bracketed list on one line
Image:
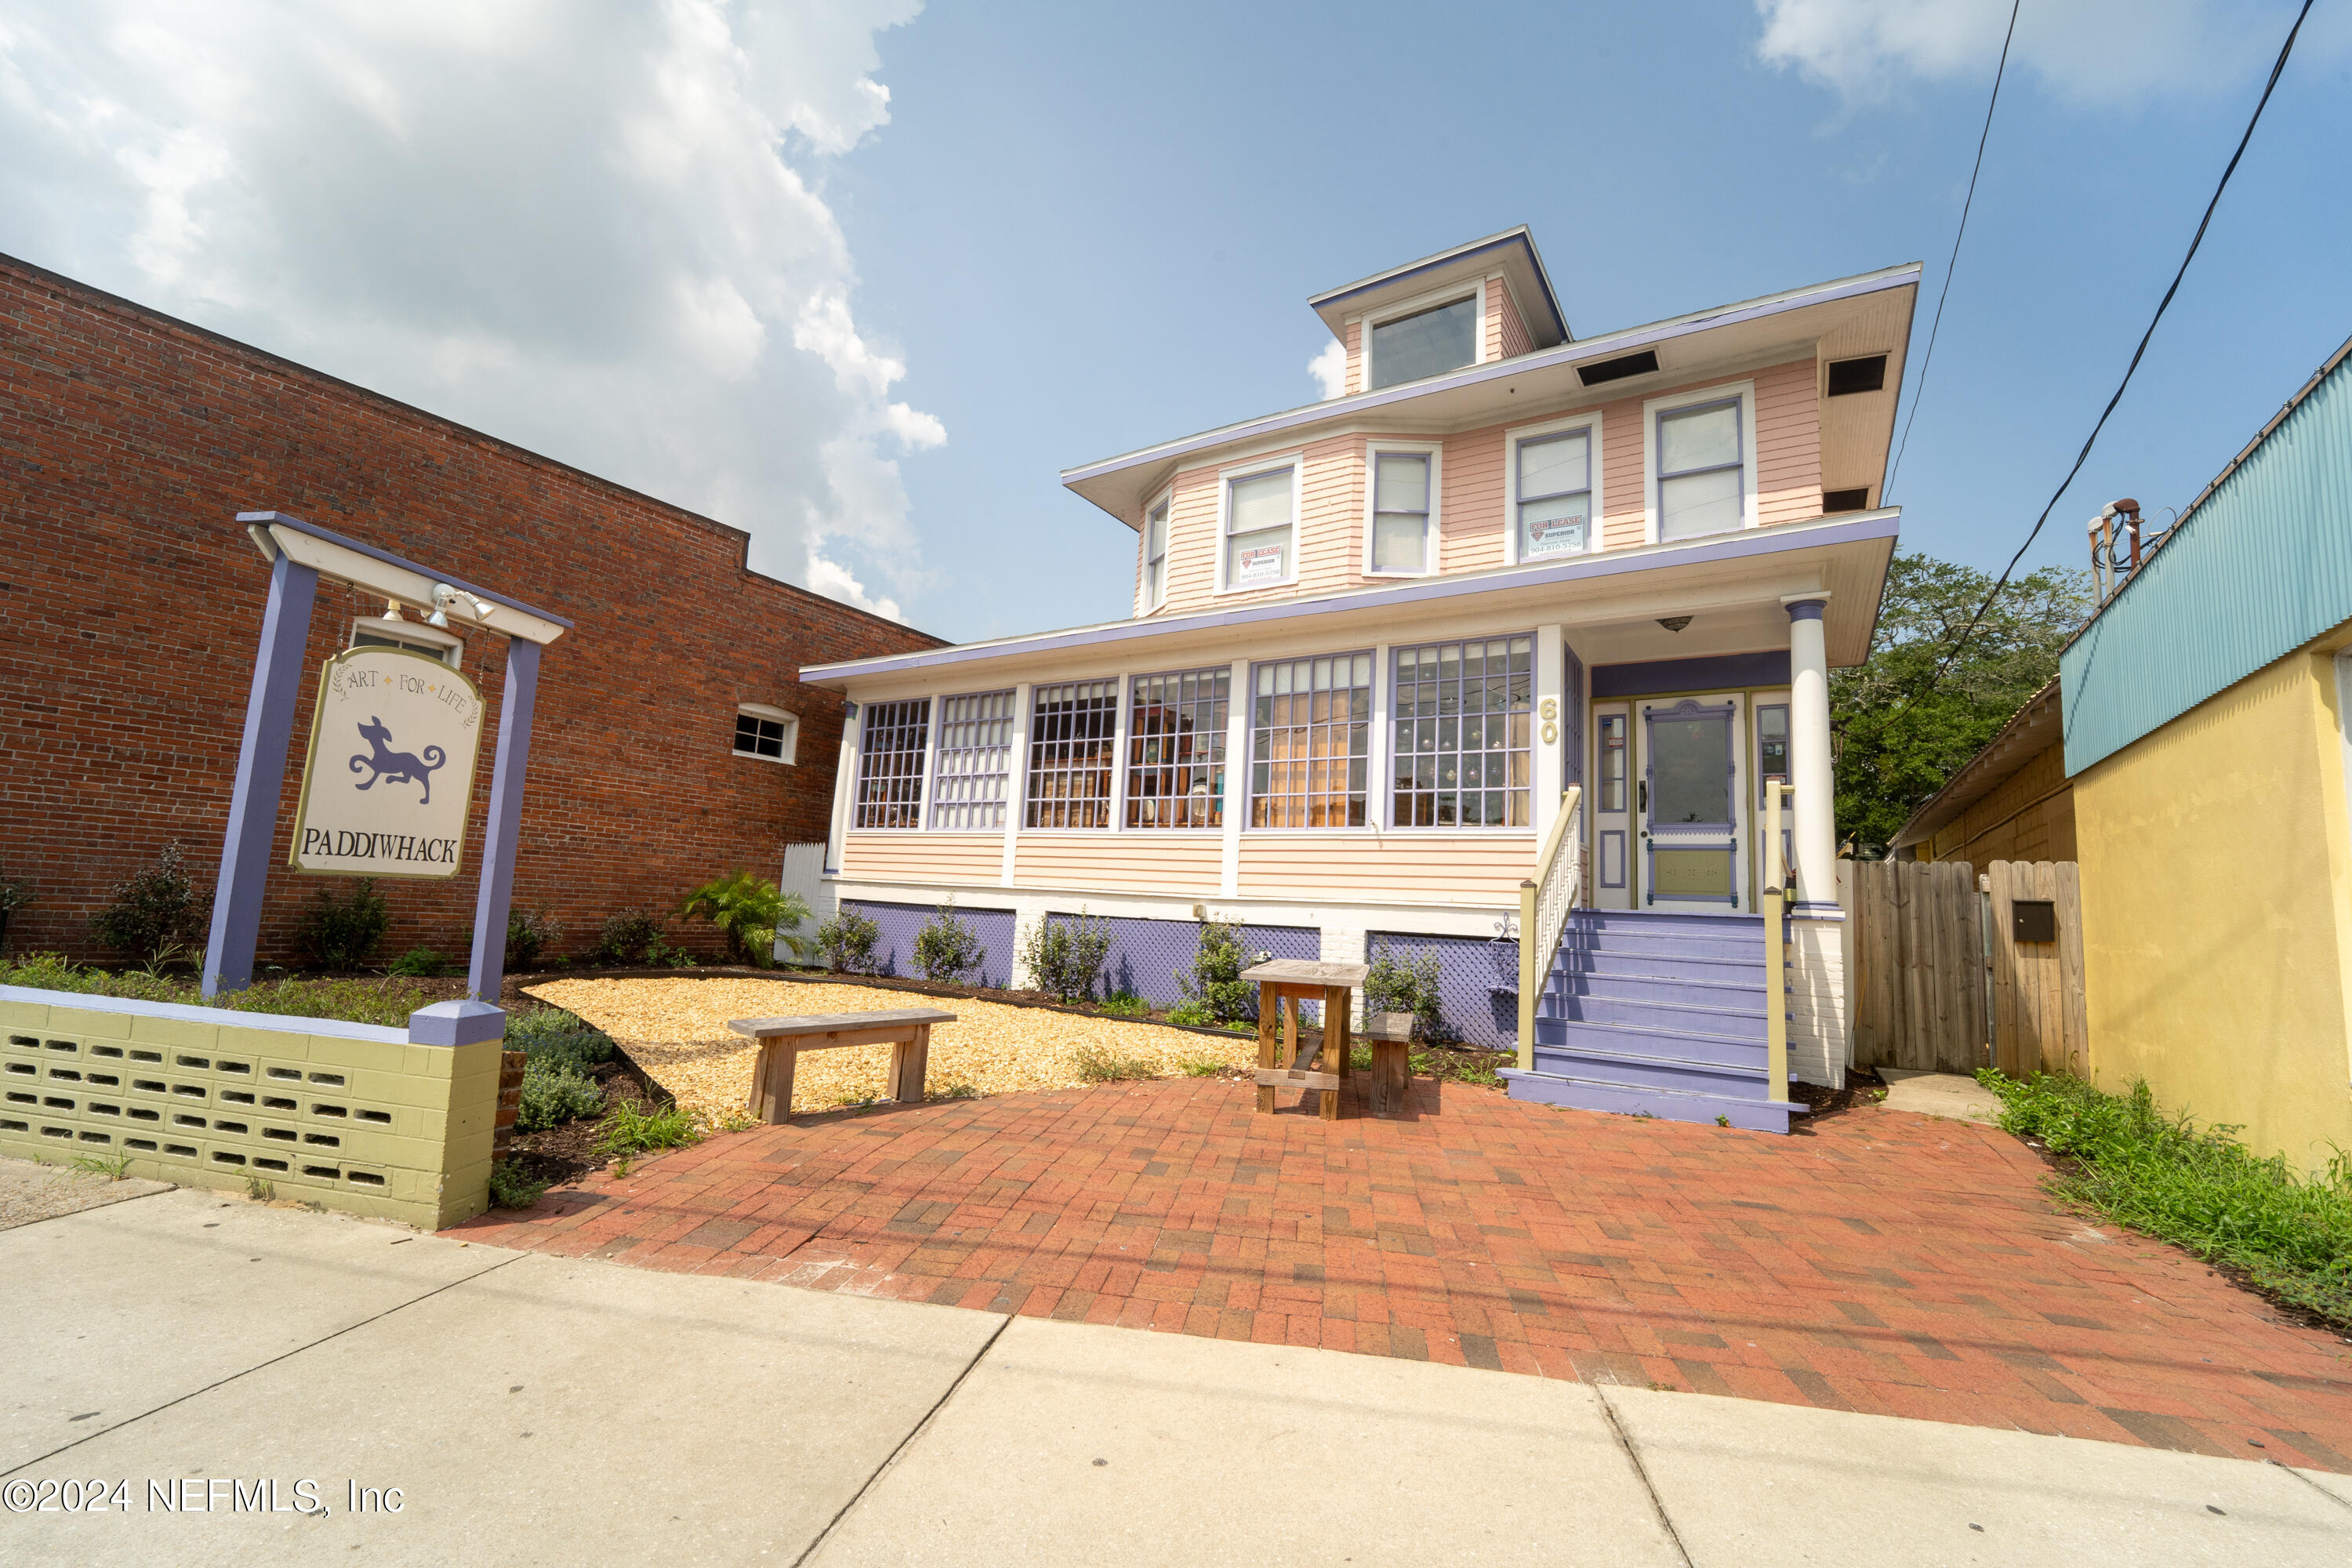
[(1261, 514), (1155, 557), (1425, 343)]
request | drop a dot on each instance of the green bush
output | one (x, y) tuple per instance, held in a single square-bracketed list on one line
[(385, 1002), (1100, 1064), (54, 971), (2198, 1188), (1193, 1012), (553, 1094), (1063, 957), (846, 943), (157, 915), (946, 950), (343, 933), (511, 1189), (629, 936), (1125, 1004), (1216, 982), (629, 1130), (1407, 985), (557, 1039), (529, 935), (749, 913), (422, 961)]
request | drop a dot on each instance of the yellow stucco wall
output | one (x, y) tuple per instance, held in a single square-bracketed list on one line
[(2217, 912)]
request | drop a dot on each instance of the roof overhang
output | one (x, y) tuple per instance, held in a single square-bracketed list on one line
[(1870, 313), (1511, 252), (1739, 577), (2033, 729)]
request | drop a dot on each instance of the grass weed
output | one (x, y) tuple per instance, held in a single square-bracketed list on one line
[(1100, 1064)]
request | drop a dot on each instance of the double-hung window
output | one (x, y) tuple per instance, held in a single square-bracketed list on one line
[(975, 758), (1405, 513), (890, 763), (1310, 734), (1155, 557), (1426, 343), (1459, 719), (1176, 748), (1554, 492), (1073, 740), (1702, 470), (1261, 527)]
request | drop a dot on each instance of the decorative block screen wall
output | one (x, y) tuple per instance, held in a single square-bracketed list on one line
[(346, 1115), (1477, 983), (894, 954)]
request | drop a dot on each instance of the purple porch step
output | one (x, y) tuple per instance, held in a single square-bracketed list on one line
[(1652, 920), (1631, 1044), (1680, 944), (1627, 987), (1666, 1104), (1706, 1015), (1726, 968)]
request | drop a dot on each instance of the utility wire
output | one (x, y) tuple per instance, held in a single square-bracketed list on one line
[(1919, 389), (2080, 458)]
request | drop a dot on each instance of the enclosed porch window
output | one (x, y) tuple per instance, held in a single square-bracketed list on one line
[(1461, 711), (1072, 737), (1176, 748), (975, 760), (890, 763), (1311, 731)]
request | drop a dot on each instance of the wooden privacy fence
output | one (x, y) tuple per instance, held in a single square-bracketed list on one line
[(2039, 1021)]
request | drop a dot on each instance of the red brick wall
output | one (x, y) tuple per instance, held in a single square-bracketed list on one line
[(131, 607)]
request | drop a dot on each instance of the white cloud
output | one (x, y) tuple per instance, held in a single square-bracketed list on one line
[(599, 232), (1329, 370), (2095, 54)]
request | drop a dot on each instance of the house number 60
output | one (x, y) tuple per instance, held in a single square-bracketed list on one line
[(1549, 712)]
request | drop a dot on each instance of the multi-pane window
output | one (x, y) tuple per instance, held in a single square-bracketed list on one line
[(1555, 491), (1400, 541), (761, 732), (1771, 746), (1176, 748), (1072, 739), (1460, 712), (1311, 733), (1155, 556), (1611, 745), (1701, 480), (1427, 343), (1258, 529), (975, 758), (890, 763)]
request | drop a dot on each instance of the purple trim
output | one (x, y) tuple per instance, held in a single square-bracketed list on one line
[(244, 878), (1567, 354), (1806, 610), (499, 832), (1518, 236), (464, 1023), (1747, 544), (1612, 838), (288, 519), (1725, 672)]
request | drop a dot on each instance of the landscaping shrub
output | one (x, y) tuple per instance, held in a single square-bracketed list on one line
[(1407, 985), (946, 950), (385, 1002), (1125, 1004), (628, 935), (749, 913), (343, 933), (1216, 982), (558, 1038), (511, 1189), (422, 961), (846, 943), (14, 894), (2197, 1187), (158, 915), (1065, 956), (1193, 1012), (553, 1094), (529, 935), (630, 1130), (1100, 1064), (54, 971)]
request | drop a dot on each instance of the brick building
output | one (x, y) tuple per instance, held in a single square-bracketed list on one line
[(131, 605)]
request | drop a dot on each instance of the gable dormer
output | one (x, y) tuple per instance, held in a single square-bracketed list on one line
[(1486, 300)]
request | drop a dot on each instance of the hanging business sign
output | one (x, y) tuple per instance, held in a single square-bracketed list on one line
[(390, 767)]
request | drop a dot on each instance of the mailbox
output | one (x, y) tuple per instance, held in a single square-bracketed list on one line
[(2032, 919)]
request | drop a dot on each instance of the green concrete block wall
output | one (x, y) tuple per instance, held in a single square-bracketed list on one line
[(374, 1126)]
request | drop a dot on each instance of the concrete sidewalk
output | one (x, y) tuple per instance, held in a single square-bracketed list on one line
[(537, 1409)]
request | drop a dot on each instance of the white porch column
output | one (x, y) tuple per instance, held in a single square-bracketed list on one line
[(1815, 832), (1016, 782), (845, 786), (1237, 763)]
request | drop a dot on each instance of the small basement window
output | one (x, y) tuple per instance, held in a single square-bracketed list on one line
[(374, 631), (764, 731)]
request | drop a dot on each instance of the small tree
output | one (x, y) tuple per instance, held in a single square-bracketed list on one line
[(343, 933), (157, 914), (946, 949), (846, 941), (749, 911), (1407, 985), (1063, 957), (1215, 982), (629, 936), (529, 935)]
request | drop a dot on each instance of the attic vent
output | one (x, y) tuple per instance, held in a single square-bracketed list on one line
[(1618, 369), (1848, 376), (1845, 501)]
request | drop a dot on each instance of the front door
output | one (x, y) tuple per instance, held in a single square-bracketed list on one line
[(1691, 805)]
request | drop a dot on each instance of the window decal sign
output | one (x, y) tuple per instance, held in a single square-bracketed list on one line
[(1261, 564), (390, 771), (1556, 536)]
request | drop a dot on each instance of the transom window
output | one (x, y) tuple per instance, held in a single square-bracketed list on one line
[(1427, 343), (764, 731), (1401, 512), (890, 763), (1555, 492), (1072, 732), (1259, 514), (1702, 482), (1155, 556), (975, 761), (1176, 748), (1460, 712), (1311, 733)]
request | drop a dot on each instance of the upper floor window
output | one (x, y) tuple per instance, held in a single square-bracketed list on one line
[(1553, 492), (1072, 737), (1155, 557), (1310, 734), (1260, 527), (1426, 343), (1702, 469), (764, 731), (1405, 513), (890, 747), (975, 762), (1460, 712), (1176, 748)]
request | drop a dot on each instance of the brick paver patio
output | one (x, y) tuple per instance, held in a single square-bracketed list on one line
[(1881, 1261)]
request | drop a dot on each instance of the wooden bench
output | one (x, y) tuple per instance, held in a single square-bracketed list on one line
[(1391, 1037), (907, 1031)]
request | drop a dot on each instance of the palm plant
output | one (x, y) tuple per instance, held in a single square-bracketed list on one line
[(752, 913)]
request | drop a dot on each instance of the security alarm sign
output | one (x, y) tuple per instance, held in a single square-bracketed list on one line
[(391, 768)]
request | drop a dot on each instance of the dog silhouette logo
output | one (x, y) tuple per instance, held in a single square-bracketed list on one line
[(400, 767)]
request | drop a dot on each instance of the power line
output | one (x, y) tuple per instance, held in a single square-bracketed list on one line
[(1919, 389), (2084, 456)]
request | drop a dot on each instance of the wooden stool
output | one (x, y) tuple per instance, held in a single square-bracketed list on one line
[(1391, 1035), (907, 1031), (1281, 1053)]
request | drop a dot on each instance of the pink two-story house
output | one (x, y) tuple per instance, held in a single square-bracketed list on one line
[(1375, 639)]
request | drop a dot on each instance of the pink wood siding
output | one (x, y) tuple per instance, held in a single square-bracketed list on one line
[(1788, 444), (1122, 862), (977, 857), (1514, 339), (1355, 341), (1470, 506), (1416, 868)]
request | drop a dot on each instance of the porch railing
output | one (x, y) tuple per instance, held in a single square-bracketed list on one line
[(1545, 899), (1776, 952)]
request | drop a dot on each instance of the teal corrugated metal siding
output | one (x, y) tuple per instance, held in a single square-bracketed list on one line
[(2261, 568)]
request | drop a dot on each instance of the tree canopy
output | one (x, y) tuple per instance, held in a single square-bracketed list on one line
[(1898, 731)]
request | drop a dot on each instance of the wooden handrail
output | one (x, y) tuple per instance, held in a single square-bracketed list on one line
[(1775, 967), (1536, 945)]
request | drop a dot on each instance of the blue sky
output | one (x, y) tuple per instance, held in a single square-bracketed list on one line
[(861, 276)]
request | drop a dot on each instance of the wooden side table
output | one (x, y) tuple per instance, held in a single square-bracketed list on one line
[(1282, 1054)]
